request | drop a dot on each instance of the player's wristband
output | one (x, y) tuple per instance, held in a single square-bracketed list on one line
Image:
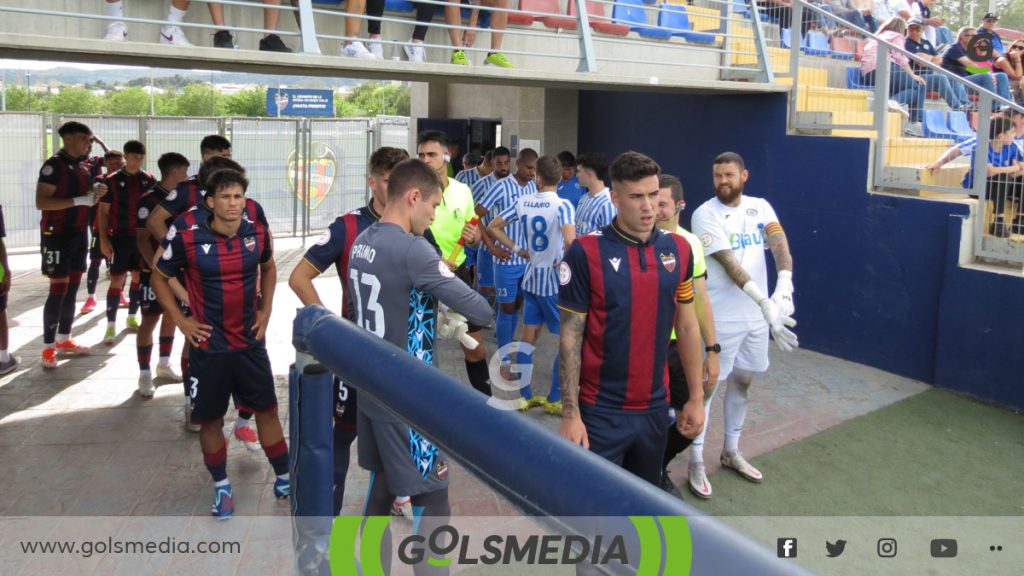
[(82, 200), (752, 290)]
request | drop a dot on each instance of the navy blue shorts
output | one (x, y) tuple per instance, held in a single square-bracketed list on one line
[(148, 303), (344, 405), (635, 442), (216, 378)]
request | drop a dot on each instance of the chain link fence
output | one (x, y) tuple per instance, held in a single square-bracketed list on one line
[(305, 172)]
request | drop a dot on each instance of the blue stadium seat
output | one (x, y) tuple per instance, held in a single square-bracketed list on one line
[(960, 125), (854, 80), (787, 38), (398, 6), (816, 44), (934, 124), (677, 19), (632, 13)]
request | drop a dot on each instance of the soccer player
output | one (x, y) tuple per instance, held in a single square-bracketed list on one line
[(623, 289), (549, 222), (117, 216), (595, 209), (509, 268), (394, 278), (8, 363), (190, 192), (113, 161), (452, 223), (63, 195), (569, 188), (223, 255), (332, 249), (501, 162), (476, 168), (670, 206), (734, 229), (173, 171)]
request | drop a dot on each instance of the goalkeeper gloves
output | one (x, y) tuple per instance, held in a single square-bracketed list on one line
[(783, 295), (778, 323)]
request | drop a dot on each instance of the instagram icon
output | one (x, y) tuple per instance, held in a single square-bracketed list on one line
[(886, 547)]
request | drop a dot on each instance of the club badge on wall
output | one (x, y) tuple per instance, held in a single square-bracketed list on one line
[(322, 173)]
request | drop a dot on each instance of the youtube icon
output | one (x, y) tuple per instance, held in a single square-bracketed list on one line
[(943, 548)]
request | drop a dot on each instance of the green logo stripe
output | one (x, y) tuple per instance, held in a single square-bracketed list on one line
[(342, 552), (678, 545), (370, 546), (650, 545), (439, 562)]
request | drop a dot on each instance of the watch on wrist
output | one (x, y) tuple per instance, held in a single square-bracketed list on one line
[(716, 348)]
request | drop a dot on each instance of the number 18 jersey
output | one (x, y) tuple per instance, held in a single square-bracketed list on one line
[(542, 215)]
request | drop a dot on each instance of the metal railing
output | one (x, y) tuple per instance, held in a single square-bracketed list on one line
[(913, 123), (613, 37), (305, 172)]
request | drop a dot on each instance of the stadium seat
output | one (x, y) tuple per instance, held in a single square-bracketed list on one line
[(858, 49), (854, 80), (398, 6), (677, 19), (519, 18), (556, 20), (786, 37), (599, 19), (842, 48), (934, 124), (631, 12), (816, 44), (960, 125)]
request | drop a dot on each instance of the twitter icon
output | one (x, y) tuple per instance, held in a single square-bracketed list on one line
[(835, 550)]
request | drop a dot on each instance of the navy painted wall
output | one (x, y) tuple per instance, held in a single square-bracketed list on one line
[(874, 274)]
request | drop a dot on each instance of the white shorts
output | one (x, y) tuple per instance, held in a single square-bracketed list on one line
[(744, 346)]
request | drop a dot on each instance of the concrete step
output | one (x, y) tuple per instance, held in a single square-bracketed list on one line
[(947, 177), (818, 98), (808, 121), (745, 55), (808, 77), (915, 152)]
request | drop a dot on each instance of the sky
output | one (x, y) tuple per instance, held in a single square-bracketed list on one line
[(45, 65)]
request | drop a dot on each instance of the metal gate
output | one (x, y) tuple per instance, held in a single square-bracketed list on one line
[(22, 152)]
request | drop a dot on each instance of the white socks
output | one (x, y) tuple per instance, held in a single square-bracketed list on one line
[(697, 448), (5, 356), (115, 9), (736, 393), (174, 15)]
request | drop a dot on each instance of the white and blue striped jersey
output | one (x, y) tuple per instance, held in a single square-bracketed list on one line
[(594, 212), (481, 187), (501, 196), (542, 215), (469, 177)]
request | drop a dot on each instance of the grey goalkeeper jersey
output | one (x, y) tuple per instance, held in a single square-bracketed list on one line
[(394, 278)]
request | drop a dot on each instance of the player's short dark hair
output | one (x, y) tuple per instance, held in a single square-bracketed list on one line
[(432, 136), (111, 154), (501, 151), (471, 158), (594, 161), (730, 158), (409, 174), (72, 127), (999, 125), (672, 183), (549, 171), (134, 147), (632, 167), (527, 155), (214, 164), (385, 158), (567, 159), (171, 161), (221, 179), (214, 143)]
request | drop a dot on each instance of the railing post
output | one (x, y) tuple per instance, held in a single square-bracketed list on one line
[(307, 26), (881, 113), (765, 74), (588, 60), (979, 163)]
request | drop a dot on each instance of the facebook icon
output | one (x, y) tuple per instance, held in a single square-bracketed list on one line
[(787, 547)]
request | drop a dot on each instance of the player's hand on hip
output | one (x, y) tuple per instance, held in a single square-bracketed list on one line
[(783, 295), (785, 338), (711, 369), (500, 253), (261, 323), (574, 429), (690, 420), (195, 332)]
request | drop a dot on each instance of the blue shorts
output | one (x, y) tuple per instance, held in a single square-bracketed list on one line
[(539, 310), (470, 252), (634, 441), (484, 268), (508, 280)]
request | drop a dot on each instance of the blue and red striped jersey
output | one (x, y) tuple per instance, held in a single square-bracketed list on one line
[(629, 290), (123, 193), (336, 243), (189, 194), (149, 201), (221, 276), (73, 177)]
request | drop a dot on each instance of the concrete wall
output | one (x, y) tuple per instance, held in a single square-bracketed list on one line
[(877, 277)]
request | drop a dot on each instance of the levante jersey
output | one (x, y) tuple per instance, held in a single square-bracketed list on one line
[(629, 290), (73, 177), (123, 193), (149, 201), (336, 243), (189, 194), (221, 276)]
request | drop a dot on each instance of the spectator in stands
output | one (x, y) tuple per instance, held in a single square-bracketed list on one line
[(905, 86), (953, 93), (956, 60), (887, 9), (354, 48), (923, 9), (460, 39), (846, 10), (173, 34), (783, 10), (569, 188), (988, 24), (867, 9), (1011, 65), (1004, 185)]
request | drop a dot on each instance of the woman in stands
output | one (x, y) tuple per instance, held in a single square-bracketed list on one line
[(905, 86), (1011, 64)]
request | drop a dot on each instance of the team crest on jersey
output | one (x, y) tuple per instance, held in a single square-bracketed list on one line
[(564, 273), (705, 239), (250, 243), (47, 170), (751, 212), (668, 261), (324, 238), (441, 470), (322, 169), (143, 213)]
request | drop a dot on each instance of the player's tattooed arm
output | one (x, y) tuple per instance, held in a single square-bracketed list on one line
[(570, 348), (732, 267), (780, 249)]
